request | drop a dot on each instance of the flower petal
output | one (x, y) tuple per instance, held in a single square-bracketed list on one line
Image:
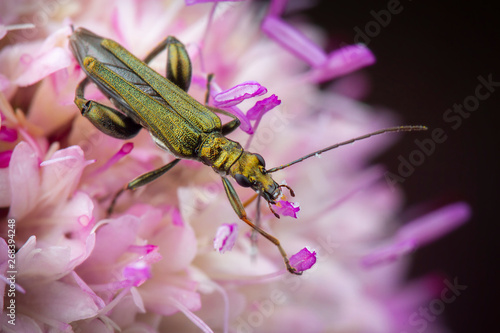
[(35, 262), (238, 94), (59, 302), (303, 260), (419, 232), (61, 174), (342, 61), (262, 107), (48, 58), (124, 151), (137, 272), (5, 157), (4, 82), (225, 238), (277, 7), (436, 224), (287, 208), (157, 298), (8, 134), (24, 180), (294, 41)]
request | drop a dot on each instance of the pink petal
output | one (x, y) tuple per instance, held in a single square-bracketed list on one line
[(177, 218), (3, 31), (262, 107), (238, 94), (142, 249), (43, 263), (342, 61), (294, 41), (5, 197), (60, 302), (124, 151), (4, 82), (138, 302), (287, 208), (61, 174), (177, 245), (50, 57), (24, 180), (79, 208), (389, 253), (245, 125), (8, 134), (137, 273), (113, 240), (277, 7), (420, 232), (225, 238), (192, 317), (44, 65), (84, 287), (5, 157), (259, 110), (303, 260), (436, 224), (158, 297)]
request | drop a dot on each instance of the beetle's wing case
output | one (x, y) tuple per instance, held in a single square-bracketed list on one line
[(172, 116)]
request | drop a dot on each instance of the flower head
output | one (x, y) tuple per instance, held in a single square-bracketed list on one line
[(151, 264)]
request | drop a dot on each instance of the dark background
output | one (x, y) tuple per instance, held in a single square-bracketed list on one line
[(428, 58)]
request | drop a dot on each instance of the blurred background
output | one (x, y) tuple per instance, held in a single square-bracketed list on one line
[(429, 57)]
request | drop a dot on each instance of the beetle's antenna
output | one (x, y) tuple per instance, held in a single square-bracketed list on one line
[(316, 153)]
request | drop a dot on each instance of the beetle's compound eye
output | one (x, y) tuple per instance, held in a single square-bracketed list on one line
[(261, 160), (242, 180)]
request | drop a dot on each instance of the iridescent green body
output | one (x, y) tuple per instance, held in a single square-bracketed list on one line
[(176, 121)]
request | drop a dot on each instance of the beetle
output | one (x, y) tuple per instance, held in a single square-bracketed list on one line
[(176, 121)]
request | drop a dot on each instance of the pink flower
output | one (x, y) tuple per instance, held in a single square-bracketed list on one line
[(151, 265), (287, 208), (225, 238), (238, 94), (303, 260)]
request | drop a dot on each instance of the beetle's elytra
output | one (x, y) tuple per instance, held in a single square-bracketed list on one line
[(176, 121)]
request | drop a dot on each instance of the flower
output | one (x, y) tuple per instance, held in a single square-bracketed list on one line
[(151, 265), (225, 238), (303, 260)]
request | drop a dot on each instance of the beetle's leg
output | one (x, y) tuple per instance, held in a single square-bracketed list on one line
[(253, 235), (240, 211), (210, 77), (178, 63), (141, 181), (108, 120)]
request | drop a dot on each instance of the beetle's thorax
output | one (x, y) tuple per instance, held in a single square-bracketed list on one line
[(219, 152)]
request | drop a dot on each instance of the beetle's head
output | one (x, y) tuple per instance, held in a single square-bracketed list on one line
[(250, 171)]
